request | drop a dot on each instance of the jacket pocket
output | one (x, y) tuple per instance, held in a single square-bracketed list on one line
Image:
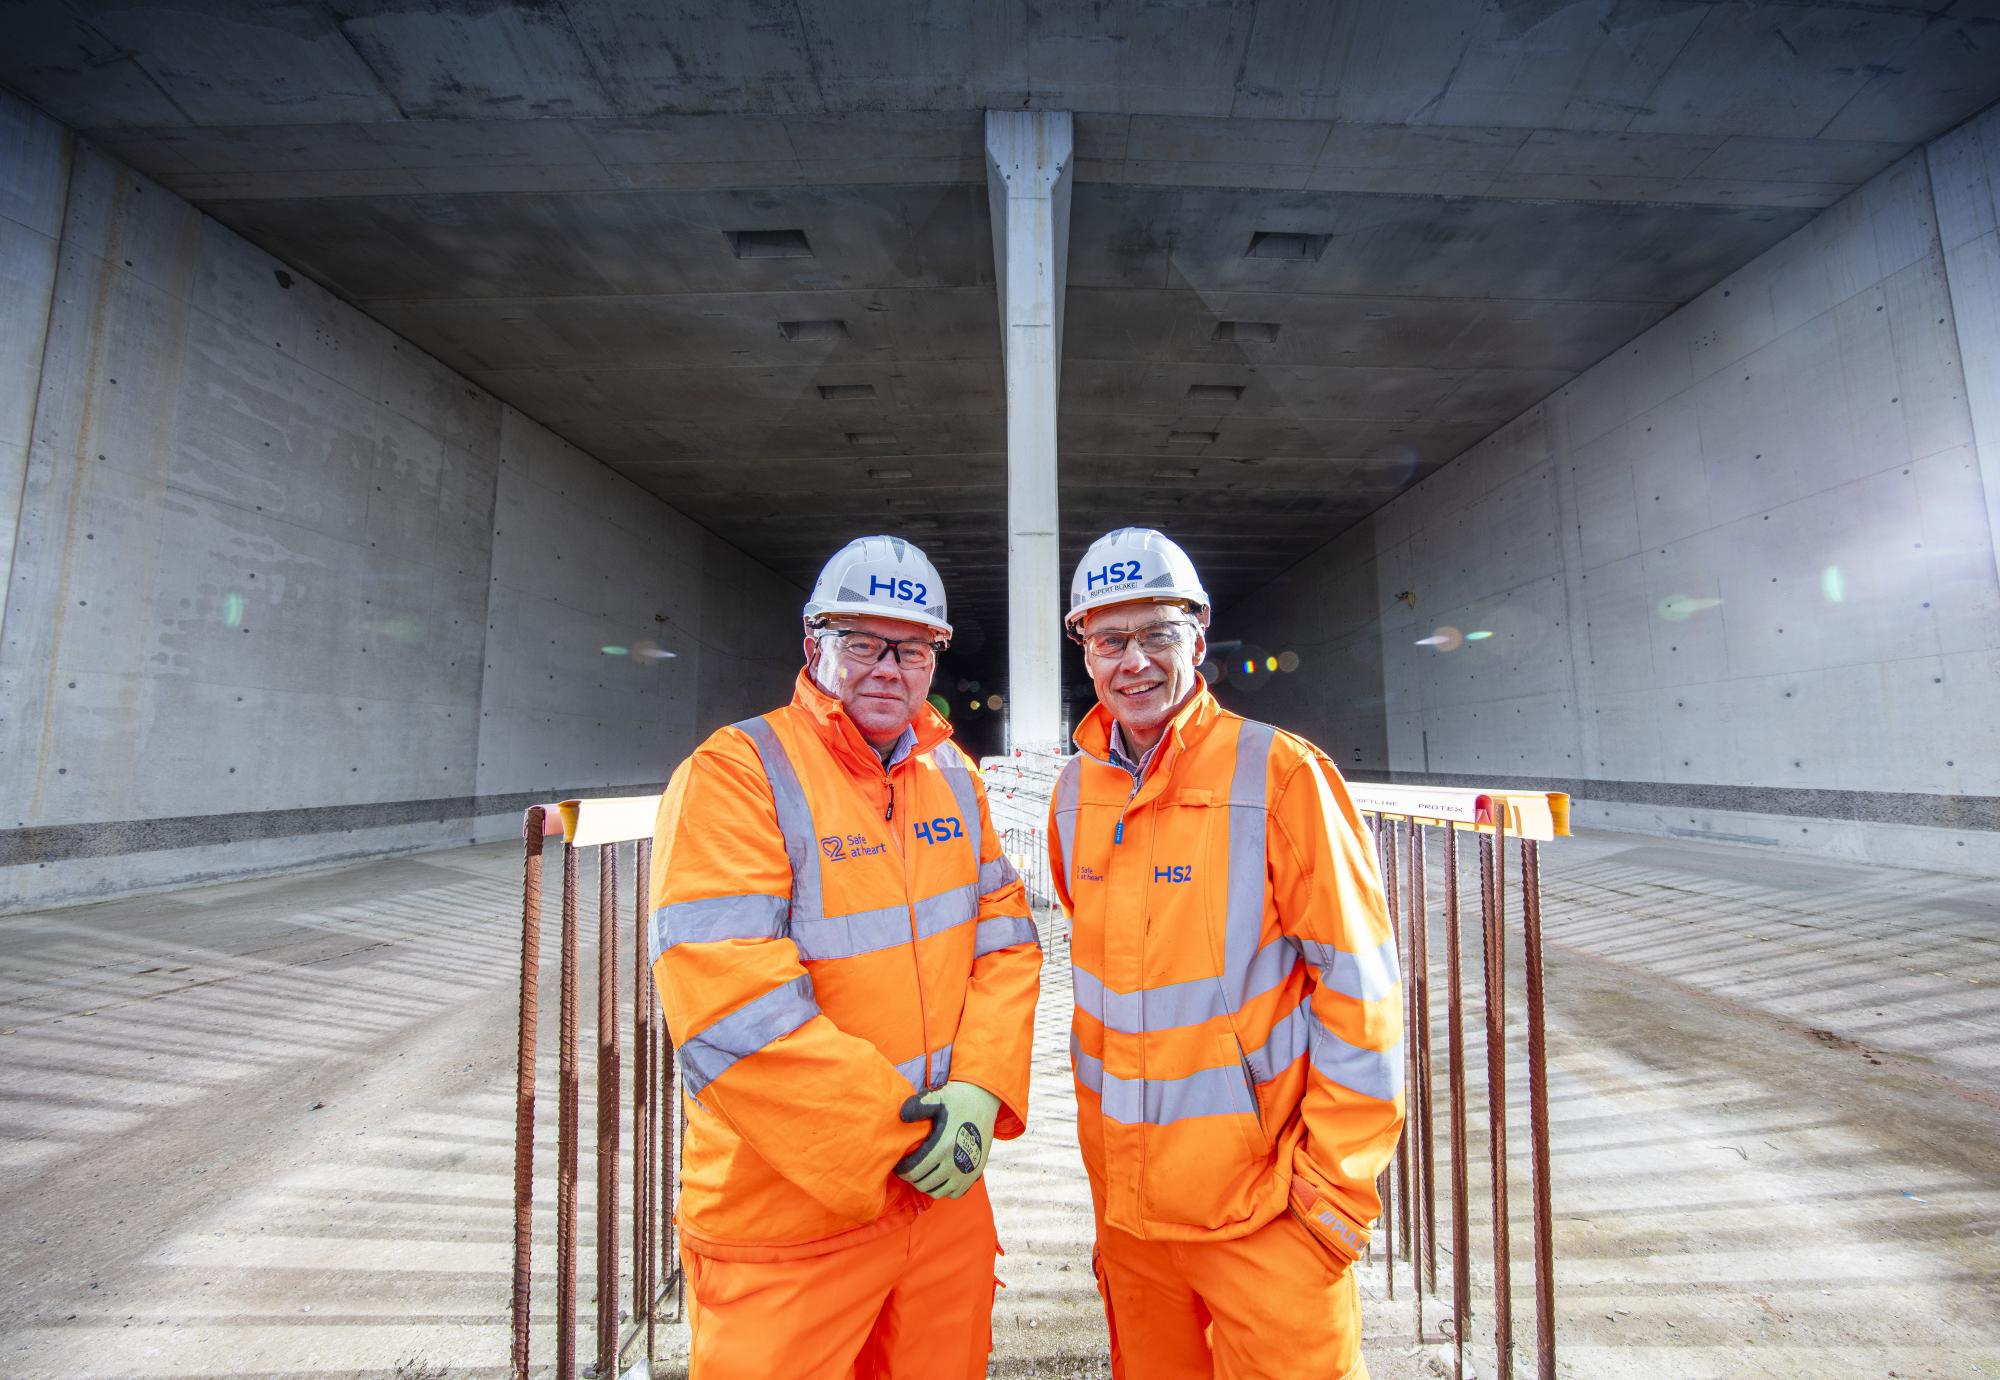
[(1205, 1167), (1256, 1099)]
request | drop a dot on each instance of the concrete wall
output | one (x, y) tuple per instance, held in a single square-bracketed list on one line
[(1739, 578), (618, 632), (35, 156), (285, 590), (1965, 178)]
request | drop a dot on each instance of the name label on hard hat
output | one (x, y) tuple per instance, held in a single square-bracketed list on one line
[(908, 591), (1116, 573), (939, 830)]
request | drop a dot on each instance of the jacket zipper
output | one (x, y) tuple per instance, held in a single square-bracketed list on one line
[(1249, 1081), (910, 908), (1118, 834)]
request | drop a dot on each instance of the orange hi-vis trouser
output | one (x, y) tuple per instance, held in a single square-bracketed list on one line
[(1273, 1305), (912, 1303)]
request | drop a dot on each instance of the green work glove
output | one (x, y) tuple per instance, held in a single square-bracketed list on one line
[(953, 1156)]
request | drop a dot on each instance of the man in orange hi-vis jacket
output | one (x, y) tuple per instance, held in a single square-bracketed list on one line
[(1237, 1038), (849, 976)]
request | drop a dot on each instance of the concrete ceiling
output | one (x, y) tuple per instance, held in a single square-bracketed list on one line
[(541, 193)]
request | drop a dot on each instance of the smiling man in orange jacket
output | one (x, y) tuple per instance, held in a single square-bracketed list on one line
[(849, 976), (1237, 1038)]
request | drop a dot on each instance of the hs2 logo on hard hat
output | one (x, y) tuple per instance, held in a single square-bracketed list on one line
[(938, 830), (1117, 573), (909, 591), (838, 849), (1180, 872)]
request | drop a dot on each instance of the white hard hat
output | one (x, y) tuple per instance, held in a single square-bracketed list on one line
[(1134, 563), (883, 576)]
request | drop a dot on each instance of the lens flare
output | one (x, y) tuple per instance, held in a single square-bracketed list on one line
[(1249, 668), (1288, 661), (1833, 585), (993, 702), (941, 704), (615, 651), (1479, 636), (1270, 663), (974, 705), (1678, 608), (1445, 639), (232, 611)]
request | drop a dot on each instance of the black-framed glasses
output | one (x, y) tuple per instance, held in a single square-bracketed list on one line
[(867, 649), (1155, 639)]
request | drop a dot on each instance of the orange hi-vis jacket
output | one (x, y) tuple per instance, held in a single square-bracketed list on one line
[(1237, 1038), (828, 936)]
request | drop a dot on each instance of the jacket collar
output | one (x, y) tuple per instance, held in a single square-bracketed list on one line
[(830, 721), (1188, 724)]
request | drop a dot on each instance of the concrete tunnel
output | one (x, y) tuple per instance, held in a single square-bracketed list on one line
[(413, 412)]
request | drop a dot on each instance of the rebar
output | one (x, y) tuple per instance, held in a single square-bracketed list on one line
[(1390, 843), (1538, 1114), (1426, 1142), (662, 1109), (1494, 918), (524, 1087), (642, 1010), (1385, 1181), (1461, 1243), (606, 1115), (566, 1132)]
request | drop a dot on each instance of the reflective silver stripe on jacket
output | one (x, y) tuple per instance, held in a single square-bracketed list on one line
[(1003, 932), (865, 932), (1176, 1004), (996, 874), (1367, 976), (1067, 790), (1249, 815), (1251, 968), (913, 1070), (713, 918), (1376, 1073), (707, 1054), (957, 772), (795, 819), (1218, 1091)]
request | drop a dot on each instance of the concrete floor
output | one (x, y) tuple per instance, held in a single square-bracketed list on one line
[(265, 1129)]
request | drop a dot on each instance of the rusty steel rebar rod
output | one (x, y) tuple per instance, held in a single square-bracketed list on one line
[(1461, 1243), (524, 1088), (1390, 844), (665, 1171), (1538, 1114), (1426, 1126), (1385, 1181), (659, 1091), (1492, 860), (1413, 1207), (566, 1132), (606, 1114), (642, 1007)]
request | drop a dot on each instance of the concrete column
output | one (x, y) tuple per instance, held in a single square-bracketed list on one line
[(1028, 183)]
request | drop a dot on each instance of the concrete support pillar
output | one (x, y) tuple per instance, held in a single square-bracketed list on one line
[(1028, 159)]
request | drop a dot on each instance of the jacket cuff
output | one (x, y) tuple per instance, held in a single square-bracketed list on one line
[(1345, 1238)]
